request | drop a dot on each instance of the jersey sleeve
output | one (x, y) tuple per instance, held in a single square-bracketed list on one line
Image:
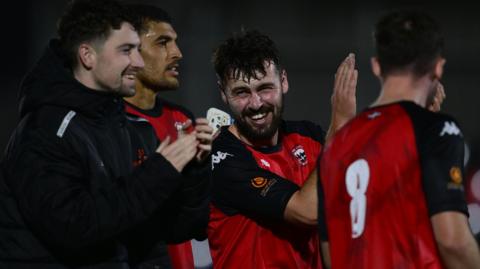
[(240, 186), (442, 158)]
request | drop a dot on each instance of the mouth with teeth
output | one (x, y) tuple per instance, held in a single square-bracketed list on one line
[(259, 118), (172, 69)]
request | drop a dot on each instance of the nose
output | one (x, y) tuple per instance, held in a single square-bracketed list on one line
[(175, 52), (255, 101), (136, 60)]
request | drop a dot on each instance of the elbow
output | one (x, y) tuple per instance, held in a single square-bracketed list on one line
[(311, 218), (453, 246), (304, 217)]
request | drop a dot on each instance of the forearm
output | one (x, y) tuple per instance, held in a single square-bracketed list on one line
[(302, 208), (455, 240), (65, 213), (466, 256)]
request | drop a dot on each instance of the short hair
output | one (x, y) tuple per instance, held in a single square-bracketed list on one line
[(407, 41), (244, 54), (148, 13), (89, 20)]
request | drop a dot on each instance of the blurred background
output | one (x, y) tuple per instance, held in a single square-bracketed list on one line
[(312, 36)]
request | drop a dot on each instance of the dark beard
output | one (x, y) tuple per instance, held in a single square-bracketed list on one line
[(263, 134)]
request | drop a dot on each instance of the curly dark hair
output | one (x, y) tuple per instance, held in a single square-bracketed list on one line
[(89, 20), (244, 54), (148, 13), (407, 41)]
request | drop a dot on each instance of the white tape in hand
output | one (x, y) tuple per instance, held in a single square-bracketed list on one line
[(218, 118)]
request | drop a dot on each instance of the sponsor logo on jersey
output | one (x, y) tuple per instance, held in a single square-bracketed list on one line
[(259, 182), (180, 126), (264, 163), (456, 178), (269, 185), (140, 158), (299, 153), (373, 115), (450, 128), (218, 157)]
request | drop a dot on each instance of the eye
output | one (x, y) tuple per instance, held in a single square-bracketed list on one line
[(162, 42), (240, 93)]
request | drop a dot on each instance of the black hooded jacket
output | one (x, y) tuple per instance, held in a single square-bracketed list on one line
[(70, 195)]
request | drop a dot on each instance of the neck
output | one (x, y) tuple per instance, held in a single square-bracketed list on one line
[(404, 88), (257, 143), (144, 97)]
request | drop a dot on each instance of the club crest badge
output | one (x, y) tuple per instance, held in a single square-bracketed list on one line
[(299, 153)]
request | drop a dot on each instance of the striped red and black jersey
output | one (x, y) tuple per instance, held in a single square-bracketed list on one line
[(164, 117), (251, 188), (382, 177)]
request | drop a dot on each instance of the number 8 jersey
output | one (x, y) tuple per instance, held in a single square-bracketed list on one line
[(382, 177)]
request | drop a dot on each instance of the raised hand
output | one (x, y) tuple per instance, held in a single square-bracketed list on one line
[(438, 98), (204, 134), (344, 101)]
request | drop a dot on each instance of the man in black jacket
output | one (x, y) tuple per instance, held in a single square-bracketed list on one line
[(80, 183)]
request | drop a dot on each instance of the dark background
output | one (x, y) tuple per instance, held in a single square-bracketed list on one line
[(313, 37)]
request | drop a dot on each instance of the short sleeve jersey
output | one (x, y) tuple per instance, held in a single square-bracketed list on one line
[(382, 177), (251, 188)]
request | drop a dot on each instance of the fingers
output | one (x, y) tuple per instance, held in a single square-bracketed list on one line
[(163, 144), (183, 127), (438, 99), (202, 126), (182, 151), (349, 71), (204, 137), (343, 96), (346, 76)]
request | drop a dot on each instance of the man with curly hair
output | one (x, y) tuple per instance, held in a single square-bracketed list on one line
[(82, 186), (264, 198)]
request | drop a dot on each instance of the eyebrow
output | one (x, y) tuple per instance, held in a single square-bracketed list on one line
[(128, 45), (163, 37)]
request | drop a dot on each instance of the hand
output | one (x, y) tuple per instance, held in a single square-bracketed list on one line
[(204, 135), (438, 98), (180, 152), (344, 103)]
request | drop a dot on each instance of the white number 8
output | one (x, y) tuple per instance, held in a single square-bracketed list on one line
[(356, 179)]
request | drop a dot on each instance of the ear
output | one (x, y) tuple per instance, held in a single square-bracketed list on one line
[(284, 81), (87, 56), (438, 71), (377, 71), (222, 91)]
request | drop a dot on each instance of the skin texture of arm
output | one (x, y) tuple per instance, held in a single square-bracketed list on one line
[(302, 208), (455, 240)]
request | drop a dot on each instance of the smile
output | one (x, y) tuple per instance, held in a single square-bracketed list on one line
[(259, 116)]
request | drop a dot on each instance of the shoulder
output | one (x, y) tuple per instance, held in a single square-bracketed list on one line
[(428, 124), (227, 150), (49, 120), (176, 108), (305, 128)]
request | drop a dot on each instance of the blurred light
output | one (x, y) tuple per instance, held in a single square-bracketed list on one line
[(474, 211), (475, 186)]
